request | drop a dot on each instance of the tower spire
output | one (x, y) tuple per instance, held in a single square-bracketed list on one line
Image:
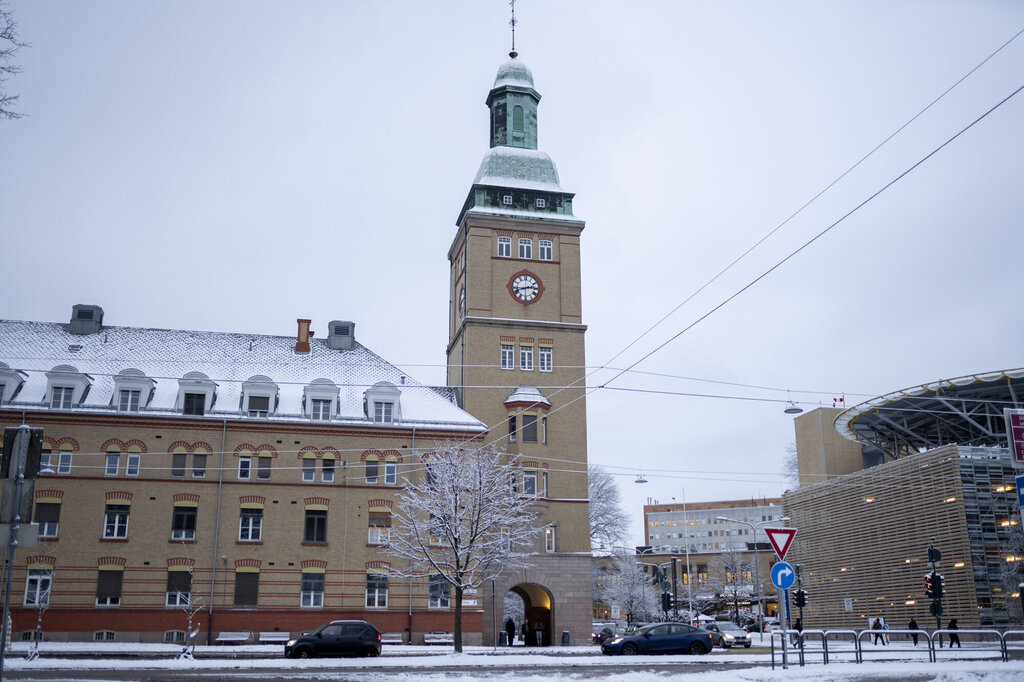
[(512, 22)]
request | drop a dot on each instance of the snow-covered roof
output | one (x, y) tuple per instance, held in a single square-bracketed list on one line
[(514, 72), (517, 167), (527, 394), (33, 349)]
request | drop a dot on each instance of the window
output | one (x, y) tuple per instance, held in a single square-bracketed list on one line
[(380, 527), (316, 526), (104, 636), (376, 590), (506, 199), (308, 469), (371, 470), (108, 588), (64, 462), (61, 397), (178, 464), (247, 586), (529, 482), (525, 248), (529, 431), (327, 470), (544, 358), (549, 539), (183, 525), (390, 473), (440, 592), (512, 429), (244, 467), (321, 409), (526, 358), (542, 203), (250, 525), (37, 587), (199, 465), (382, 411), (112, 463), (48, 517), (44, 459), (312, 590), (195, 404), (132, 466), (129, 401), (505, 245), (545, 247), (174, 637), (517, 119), (508, 352), (179, 588), (544, 430), (259, 406), (263, 467), (115, 524)]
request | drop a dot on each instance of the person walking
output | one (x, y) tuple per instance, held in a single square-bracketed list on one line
[(912, 625), (510, 630), (526, 634), (954, 638), (539, 632), (877, 627), (798, 626)]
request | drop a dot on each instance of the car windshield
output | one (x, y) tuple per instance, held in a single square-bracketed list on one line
[(731, 627)]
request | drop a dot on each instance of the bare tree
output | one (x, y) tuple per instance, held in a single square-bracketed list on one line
[(609, 525), (465, 523), (9, 44), (732, 577), (184, 597), (42, 600), (791, 467), (625, 584)]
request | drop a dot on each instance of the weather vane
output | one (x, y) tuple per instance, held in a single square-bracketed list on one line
[(512, 22)]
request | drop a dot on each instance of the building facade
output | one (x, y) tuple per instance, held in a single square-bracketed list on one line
[(516, 347)]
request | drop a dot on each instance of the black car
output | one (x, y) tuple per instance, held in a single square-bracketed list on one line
[(660, 638), (337, 638)]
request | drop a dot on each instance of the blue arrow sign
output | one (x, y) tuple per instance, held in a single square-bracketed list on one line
[(783, 575), (1020, 491)]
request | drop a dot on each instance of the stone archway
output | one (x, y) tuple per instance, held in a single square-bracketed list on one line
[(537, 606)]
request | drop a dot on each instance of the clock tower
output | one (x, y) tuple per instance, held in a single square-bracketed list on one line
[(516, 349)]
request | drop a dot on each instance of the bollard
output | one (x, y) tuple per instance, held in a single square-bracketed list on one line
[(565, 638), (502, 638)]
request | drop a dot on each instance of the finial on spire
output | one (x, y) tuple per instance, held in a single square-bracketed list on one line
[(512, 22)]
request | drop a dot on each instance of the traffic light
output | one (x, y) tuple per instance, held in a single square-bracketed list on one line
[(929, 586), (800, 598), (666, 602), (939, 583)]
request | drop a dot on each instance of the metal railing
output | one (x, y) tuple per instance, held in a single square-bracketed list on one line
[(813, 643)]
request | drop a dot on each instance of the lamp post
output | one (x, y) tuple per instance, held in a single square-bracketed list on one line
[(757, 563)]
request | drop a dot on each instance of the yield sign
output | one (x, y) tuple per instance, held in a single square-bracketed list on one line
[(781, 539)]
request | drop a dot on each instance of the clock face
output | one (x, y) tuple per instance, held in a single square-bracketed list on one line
[(525, 287)]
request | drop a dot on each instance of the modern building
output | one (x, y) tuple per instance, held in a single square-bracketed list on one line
[(516, 346), (936, 469)]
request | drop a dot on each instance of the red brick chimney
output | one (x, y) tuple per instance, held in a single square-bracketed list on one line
[(302, 342)]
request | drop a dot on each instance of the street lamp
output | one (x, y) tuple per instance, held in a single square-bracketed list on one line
[(757, 563)]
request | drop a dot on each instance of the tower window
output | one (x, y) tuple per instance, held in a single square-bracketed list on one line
[(526, 248), (544, 358), (541, 203), (507, 200), (526, 358), (517, 119), (545, 247), (507, 356), (529, 428), (505, 245)]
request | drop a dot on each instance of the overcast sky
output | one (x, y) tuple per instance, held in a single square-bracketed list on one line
[(233, 166)]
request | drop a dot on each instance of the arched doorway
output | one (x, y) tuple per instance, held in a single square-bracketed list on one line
[(537, 604)]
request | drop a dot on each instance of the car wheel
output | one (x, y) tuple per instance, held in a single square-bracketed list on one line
[(304, 652), (371, 652), (629, 649), (696, 649)]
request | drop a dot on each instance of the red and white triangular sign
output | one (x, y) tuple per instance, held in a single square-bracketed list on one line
[(781, 539)]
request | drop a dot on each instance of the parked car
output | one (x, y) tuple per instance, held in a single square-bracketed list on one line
[(727, 634), (602, 632), (337, 638), (660, 638)]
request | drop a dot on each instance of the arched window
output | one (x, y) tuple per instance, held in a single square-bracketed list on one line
[(517, 119)]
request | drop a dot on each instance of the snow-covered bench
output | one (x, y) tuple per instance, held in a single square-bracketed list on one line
[(392, 638), (240, 636), (275, 636), (438, 637)]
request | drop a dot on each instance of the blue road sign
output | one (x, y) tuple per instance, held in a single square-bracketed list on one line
[(783, 575), (1020, 491)]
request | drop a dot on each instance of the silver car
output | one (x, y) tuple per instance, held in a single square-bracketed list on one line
[(727, 634)]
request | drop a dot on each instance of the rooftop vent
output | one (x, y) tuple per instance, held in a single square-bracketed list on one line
[(342, 335), (86, 319)]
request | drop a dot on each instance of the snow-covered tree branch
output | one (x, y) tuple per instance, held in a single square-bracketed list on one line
[(465, 522), (609, 525), (625, 584), (9, 44)]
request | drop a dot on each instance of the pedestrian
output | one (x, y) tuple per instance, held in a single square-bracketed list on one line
[(539, 632), (526, 634), (877, 627), (799, 626), (954, 638), (912, 625), (510, 630), (885, 629)]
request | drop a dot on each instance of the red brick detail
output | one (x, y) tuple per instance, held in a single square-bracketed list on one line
[(67, 440), (202, 444), (137, 443), (550, 341), (118, 560), (302, 340), (330, 451), (313, 563), (42, 560), (379, 565), (50, 493), (119, 495), (529, 464), (325, 501), (380, 503), (370, 453), (113, 444), (309, 449), (252, 499), (248, 563), (509, 339), (504, 233), (243, 447), (180, 444), (526, 339), (186, 497), (181, 561), (267, 448)]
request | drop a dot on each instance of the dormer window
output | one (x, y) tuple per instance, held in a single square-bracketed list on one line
[(132, 390), (320, 398), (259, 397), (196, 394), (507, 200), (382, 403), (10, 383), (66, 387)]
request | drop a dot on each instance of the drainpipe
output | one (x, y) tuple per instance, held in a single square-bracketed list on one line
[(216, 530), (413, 463)]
